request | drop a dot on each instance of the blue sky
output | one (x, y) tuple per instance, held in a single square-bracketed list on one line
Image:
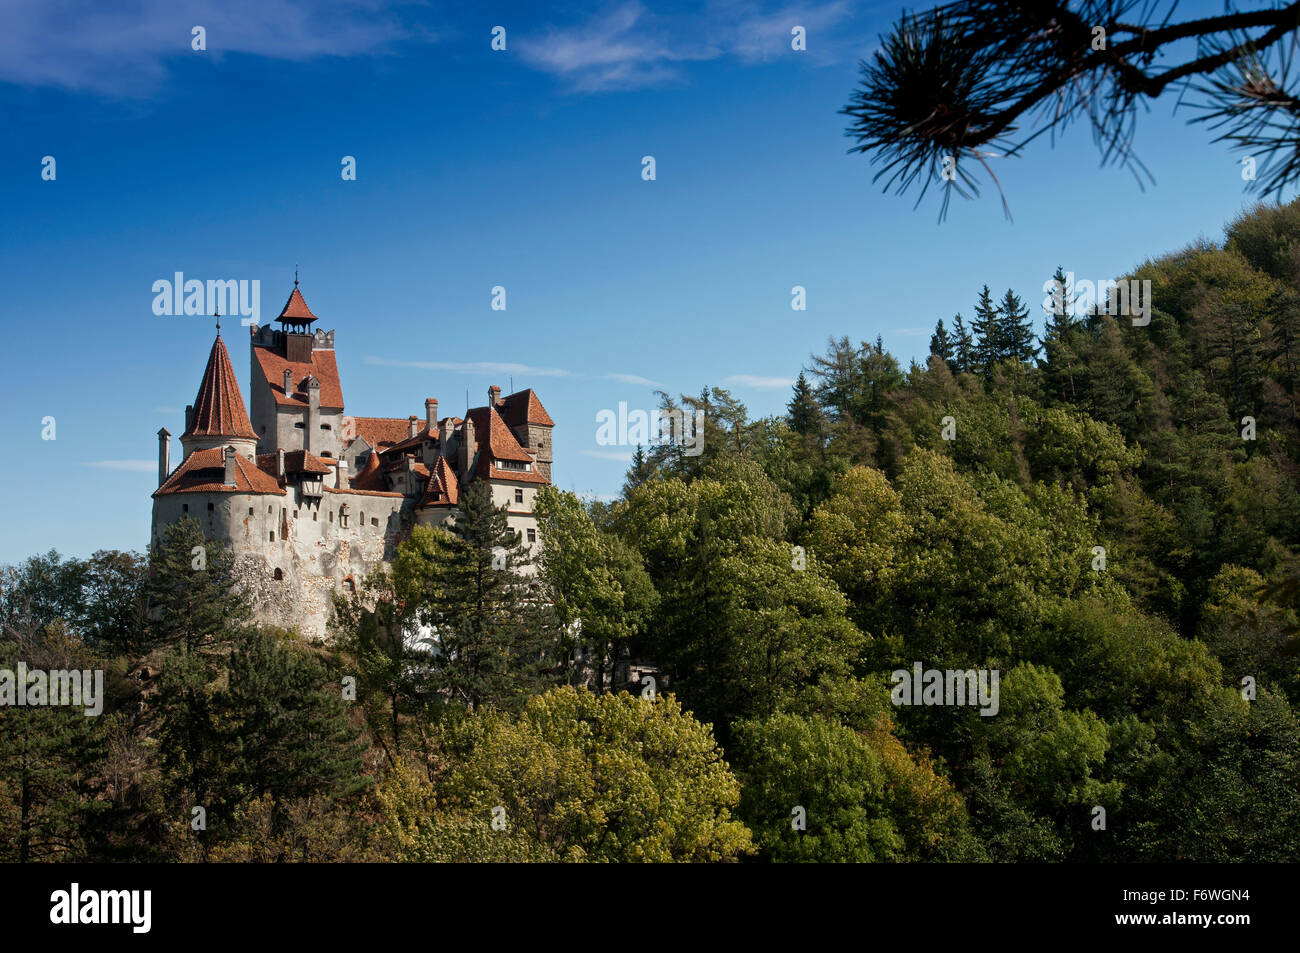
[(478, 168)]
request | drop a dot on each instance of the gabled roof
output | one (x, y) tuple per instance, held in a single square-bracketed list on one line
[(443, 489), (323, 367), (204, 471), (496, 442), (492, 434), (295, 309), (524, 407), (219, 409)]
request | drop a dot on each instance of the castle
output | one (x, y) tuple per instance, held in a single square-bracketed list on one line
[(310, 499)]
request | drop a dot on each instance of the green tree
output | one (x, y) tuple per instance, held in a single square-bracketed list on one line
[(496, 641), (600, 778)]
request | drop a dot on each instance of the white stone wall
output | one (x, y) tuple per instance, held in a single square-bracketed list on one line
[(319, 553)]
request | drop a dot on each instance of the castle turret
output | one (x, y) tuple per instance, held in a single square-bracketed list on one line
[(219, 418)]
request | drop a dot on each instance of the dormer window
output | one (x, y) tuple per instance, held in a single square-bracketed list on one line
[(512, 465)]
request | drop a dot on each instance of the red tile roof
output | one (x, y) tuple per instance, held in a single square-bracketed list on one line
[(323, 367), (219, 408), (525, 407), (330, 489), (295, 309), (443, 488), (492, 434), (420, 437), (204, 471), (295, 461), (369, 477), (500, 444), (382, 433)]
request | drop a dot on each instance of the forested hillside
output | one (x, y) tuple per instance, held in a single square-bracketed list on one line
[(1105, 513)]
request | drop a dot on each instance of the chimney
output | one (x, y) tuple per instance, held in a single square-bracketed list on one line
[(494, 396), (164, 455), (467, 447), (230, 467), (189, 417), (279, 463), (445, 430), (311, 441), (341, 478), (431, 415), (288, 382), (413, 425)]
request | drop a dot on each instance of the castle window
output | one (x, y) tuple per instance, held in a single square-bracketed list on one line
[(295, 514), (314, 516), (270, 509), (349, 585), (300, 425), (331, 516), (278, 575), (211, 507), (532, 535), (326, 453), (250, 511), (326, 427), (374, 521), (185, 507), (271, 535), (519, 495), (363, 517)]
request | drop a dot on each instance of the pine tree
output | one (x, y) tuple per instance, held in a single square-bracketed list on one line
[(191, 592), (805, 416), (1059, 357), (640, 470), (987, 330), (963, 346), (941, 344), (1017, 329), (497, 642)]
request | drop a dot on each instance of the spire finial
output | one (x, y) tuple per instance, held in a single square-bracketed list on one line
[(217, 314), (295, 274)]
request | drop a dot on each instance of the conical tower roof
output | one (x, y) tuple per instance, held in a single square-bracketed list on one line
[(295, 309), (219, 409)]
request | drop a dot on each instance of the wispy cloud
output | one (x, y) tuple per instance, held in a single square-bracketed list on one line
[(164, 410), (133, 466), (626, 46), (623, 456), (760, 383), (128, 49), (632, 379), (497, 367), (620, 48), (471, 367)]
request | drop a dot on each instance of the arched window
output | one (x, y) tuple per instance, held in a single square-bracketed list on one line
[(278, 575), (349, 584)]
